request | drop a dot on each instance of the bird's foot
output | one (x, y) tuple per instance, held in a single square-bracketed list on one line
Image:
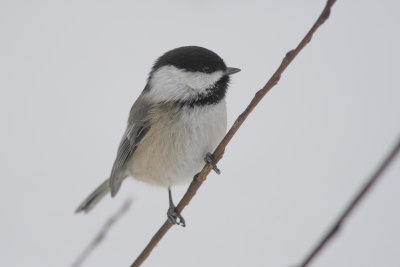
[(174, 217), (210, 159)]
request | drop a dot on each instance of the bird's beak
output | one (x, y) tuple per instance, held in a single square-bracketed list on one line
[(230, 71)]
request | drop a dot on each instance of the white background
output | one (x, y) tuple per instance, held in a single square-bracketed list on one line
[(70, 71)]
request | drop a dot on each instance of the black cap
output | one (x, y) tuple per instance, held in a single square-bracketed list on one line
[(191, 58)]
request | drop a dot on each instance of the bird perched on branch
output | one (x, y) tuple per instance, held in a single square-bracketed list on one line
[(178, 119)]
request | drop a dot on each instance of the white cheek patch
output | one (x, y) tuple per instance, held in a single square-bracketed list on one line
[(200, 81), (171, 84)]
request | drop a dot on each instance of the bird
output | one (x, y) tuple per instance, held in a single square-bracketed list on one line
[(177, 120)]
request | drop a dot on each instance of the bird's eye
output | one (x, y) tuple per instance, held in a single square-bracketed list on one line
[(207, 69)]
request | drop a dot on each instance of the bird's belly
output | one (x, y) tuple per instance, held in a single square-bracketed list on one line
[(173, 150)]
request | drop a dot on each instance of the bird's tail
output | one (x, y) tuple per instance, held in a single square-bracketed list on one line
[(94, 197)]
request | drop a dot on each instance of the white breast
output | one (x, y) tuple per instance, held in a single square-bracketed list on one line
[(174, 148)]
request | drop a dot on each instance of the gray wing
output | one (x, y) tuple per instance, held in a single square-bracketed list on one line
[(138, 126)]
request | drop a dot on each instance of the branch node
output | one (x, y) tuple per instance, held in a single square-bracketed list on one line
[(289, 55), (325, 15), (242, 116)]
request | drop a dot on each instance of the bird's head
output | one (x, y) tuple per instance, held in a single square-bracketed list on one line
[(189, 75)]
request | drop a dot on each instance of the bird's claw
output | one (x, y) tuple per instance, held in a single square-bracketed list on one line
[(174, 217), (210, 160)]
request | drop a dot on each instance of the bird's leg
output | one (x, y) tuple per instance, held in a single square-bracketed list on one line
[(173, 216), (210, 159)]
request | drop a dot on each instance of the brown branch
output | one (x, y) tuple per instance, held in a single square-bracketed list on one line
[(218, 153), (349, 209), (102, 233)]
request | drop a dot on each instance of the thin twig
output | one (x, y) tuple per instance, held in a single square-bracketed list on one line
[(218, 153), (102, 233), (349, 209)]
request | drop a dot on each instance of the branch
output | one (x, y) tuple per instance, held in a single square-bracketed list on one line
[(218, 153), (101, 235), (350, 208)]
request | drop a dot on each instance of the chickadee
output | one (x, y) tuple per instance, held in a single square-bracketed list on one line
[(178, 119)]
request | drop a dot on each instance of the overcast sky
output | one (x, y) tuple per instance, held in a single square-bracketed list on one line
[(70, 71)]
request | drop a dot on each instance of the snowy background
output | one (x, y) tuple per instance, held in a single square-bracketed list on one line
[(70, 71)]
